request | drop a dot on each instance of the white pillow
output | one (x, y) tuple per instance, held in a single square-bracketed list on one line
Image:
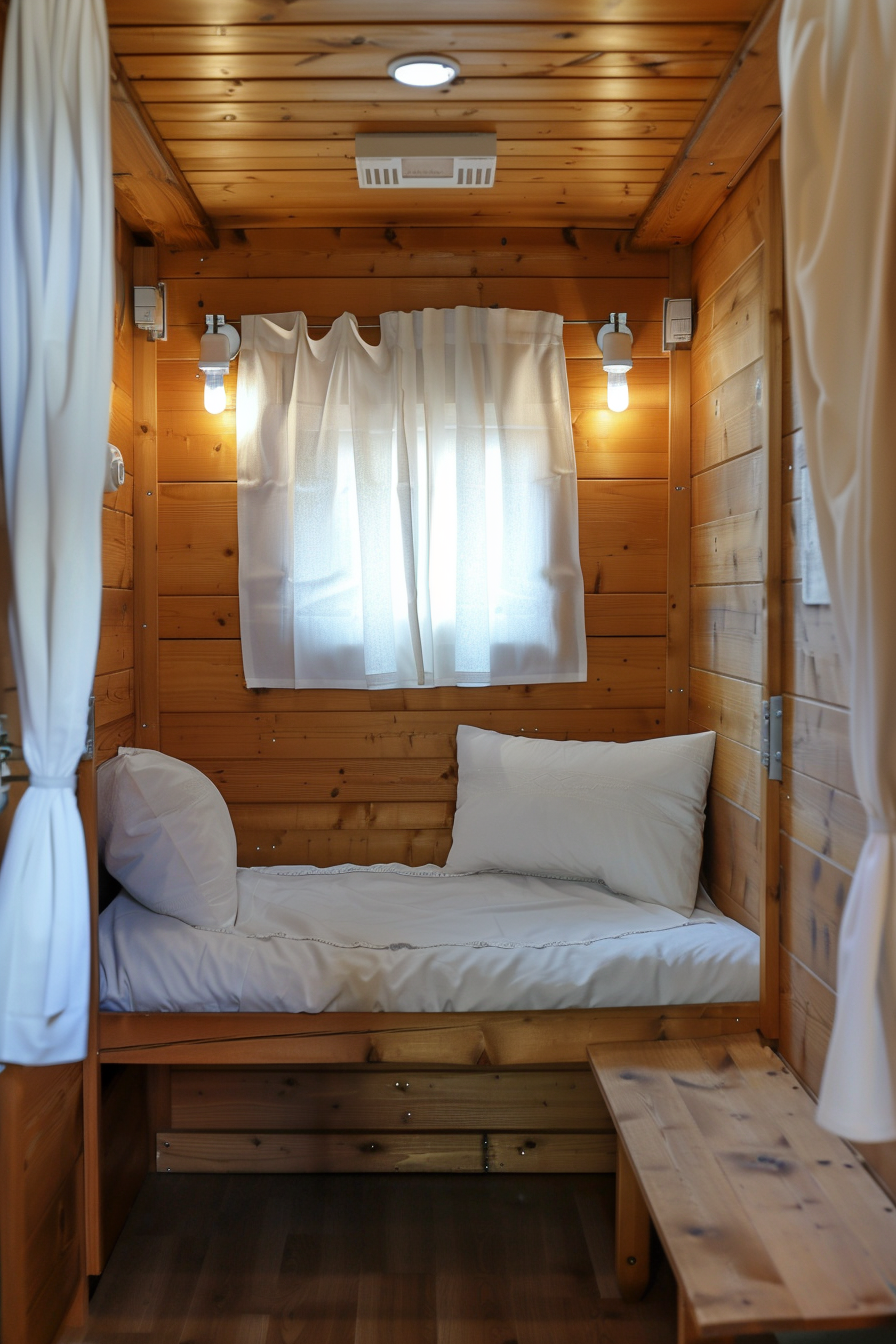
[(627, 813), (166, 835)]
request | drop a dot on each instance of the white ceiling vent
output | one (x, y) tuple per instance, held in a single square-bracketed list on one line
[(426, 160)]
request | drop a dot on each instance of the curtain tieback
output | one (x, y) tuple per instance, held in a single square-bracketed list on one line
[(53, 781), (878, 827)]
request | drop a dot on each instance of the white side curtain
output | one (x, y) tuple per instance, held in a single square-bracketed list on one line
[(56, 302), (407, 511), (838, 77)]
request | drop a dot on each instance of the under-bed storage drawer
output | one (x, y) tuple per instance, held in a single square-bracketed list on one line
[(380, 1118)]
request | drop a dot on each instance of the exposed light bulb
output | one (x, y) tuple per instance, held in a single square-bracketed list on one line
[(215, 395), (617, 390), (217, 350)]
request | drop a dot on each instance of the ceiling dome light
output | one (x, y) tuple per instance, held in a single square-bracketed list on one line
[(424, 72)]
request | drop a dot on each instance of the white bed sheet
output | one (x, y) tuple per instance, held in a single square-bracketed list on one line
[(396, 939)]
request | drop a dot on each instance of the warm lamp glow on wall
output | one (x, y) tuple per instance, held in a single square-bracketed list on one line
[(615, 343), (219, 345)]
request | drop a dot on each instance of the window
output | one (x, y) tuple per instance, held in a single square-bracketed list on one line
[(407, 511)]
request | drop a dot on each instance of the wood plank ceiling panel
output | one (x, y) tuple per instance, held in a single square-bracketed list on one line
[(259, 101)]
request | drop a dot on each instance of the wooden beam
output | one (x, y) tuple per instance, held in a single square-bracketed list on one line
[(678, 561), (736, 124), (436, 1040), (146, 521), (770, 803), (92, 1079), (151, 192)]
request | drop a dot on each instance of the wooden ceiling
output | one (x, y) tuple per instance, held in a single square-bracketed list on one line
[(596, 104)]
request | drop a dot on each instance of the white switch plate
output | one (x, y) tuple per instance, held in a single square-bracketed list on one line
[(678, 325)]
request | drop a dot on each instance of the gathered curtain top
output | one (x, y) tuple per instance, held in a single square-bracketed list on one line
[(441, 326)]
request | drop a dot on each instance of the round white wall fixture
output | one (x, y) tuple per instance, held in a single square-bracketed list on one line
[(114, 470), (424, 72)]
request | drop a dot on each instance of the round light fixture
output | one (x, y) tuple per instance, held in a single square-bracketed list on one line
[(424, 72)]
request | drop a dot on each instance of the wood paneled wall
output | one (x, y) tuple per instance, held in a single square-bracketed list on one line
[(822, 821), (727, 566), (328, 776), (114, 685), (41, 1202)]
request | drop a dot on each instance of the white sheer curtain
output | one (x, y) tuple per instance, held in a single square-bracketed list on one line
[(838, 78), (407, 511), (56, 302)]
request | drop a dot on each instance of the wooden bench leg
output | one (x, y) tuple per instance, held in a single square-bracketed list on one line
[(632, 1231)]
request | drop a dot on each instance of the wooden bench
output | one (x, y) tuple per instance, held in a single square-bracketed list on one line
[(768, 1221)]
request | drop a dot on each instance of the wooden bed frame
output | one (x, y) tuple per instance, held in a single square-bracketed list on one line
[(493, 1091)]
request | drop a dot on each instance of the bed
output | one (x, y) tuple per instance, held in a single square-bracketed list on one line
[(394, 939), (286, 1015)]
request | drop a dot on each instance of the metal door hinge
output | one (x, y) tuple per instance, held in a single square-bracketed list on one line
[(771, 747)]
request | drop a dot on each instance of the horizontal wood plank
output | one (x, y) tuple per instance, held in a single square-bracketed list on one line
[(423, 35), (116, 652), (807, 1017), (816, 742), (725, 705), (260, 1099), (204, 675), (461, 94), (622, 537), (812, 666), (727, 421), (118, 549), (421, 735), (824, 819), (728, 489), (465, 11), (326, 849), (729, 550), (736, 773), (186, 617), (726, 627), (520, 252), (113, 696), (369, 61), (431, 1039), (189, 300), (385, 1152), (814, 892), (731, 858), (728, 329)]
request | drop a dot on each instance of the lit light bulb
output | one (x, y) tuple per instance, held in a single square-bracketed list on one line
[(215, 395), (617, 390)]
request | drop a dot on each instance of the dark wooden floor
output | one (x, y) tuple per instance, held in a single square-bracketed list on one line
[(372, 1260)]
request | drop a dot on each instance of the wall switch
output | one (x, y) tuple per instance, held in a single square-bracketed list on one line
[(678, 325)]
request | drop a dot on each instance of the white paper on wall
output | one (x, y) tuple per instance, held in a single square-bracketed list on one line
[(815, 585)]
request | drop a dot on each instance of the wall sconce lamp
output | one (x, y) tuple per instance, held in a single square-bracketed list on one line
[(219, 345), (615, 344)]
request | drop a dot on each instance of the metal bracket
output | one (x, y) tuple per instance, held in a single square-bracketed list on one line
[(771, 745)]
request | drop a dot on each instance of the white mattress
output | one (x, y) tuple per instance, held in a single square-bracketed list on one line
[(396, 939)]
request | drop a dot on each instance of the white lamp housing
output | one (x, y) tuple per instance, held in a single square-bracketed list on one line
[(615, 344), (219, 345), (114, 470)]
